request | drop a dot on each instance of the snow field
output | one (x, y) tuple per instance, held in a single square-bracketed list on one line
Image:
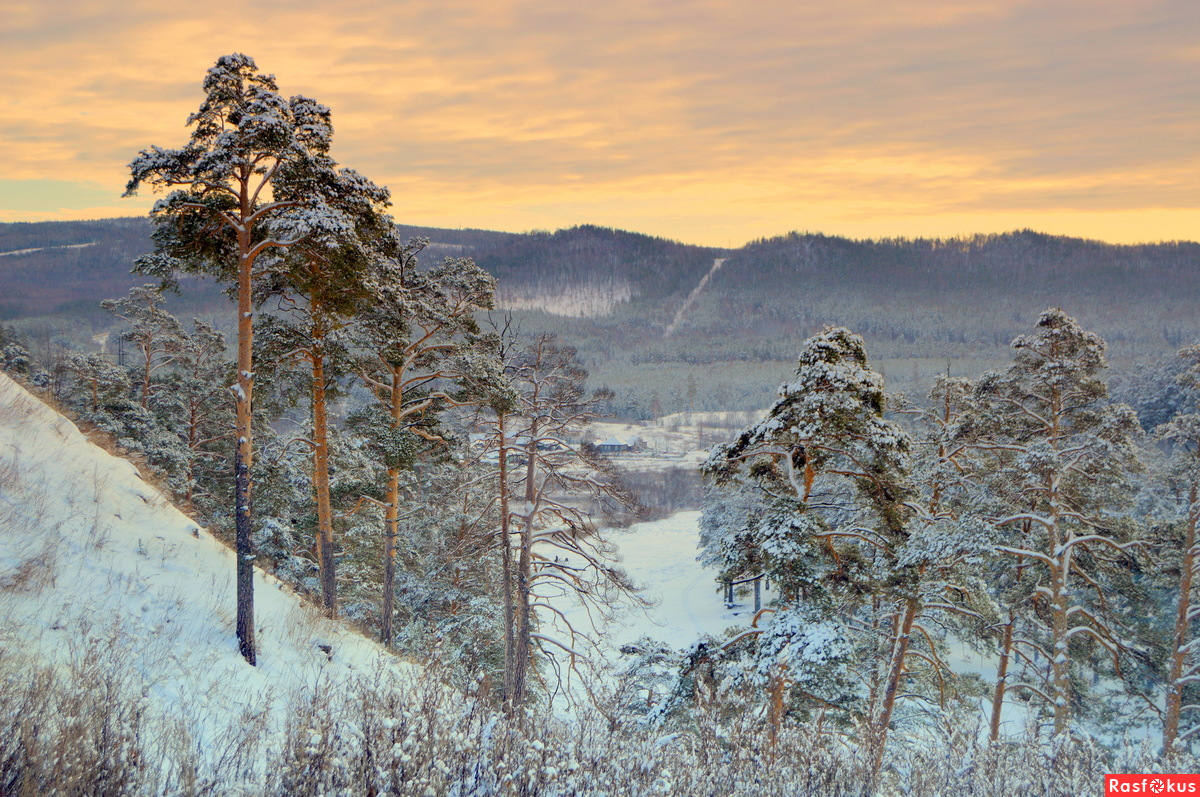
[(94, 561)]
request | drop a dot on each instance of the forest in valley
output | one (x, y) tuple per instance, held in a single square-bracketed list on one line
[(394, 422)]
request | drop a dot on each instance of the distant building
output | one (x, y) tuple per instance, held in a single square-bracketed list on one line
[(614, 446)]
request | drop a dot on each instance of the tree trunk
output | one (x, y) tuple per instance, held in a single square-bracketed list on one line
[(531, 459), (391, 532), (900, 641), (524, 640), (149, 352), (243, 456), (778, 688), (325, 561), (392, 517), (1060, 663), (506, 554), (193, 444), (1002, 677), (1183, 609)]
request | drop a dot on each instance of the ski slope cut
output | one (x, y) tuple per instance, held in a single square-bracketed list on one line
[(96, 562)]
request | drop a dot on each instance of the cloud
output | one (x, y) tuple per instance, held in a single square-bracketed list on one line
[(701, 120)]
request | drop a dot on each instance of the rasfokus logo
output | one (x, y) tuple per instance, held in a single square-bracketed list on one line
[(1151, 784)]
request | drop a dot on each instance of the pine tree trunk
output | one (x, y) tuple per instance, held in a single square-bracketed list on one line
[(1060, 664), (1002, 677), (391, 533), (778, 688), (193, 444), (392, 514), (1183, 609), (506, 555), (146, 376), (900, 642), (243, 456), (325, 561)]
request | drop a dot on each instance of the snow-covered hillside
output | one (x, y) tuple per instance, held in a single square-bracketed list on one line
[(94, 561)]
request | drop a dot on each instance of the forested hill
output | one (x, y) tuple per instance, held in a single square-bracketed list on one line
[(923, 305), (950, 291), (65, 268)]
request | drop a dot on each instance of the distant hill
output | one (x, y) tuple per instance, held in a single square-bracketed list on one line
[(923, 304)]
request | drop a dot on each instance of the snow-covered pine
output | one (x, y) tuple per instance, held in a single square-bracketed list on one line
[(1058, 457), (1180, 552), (155, 333), (318, 285), (819, 498), (221, 214), (417, 348)]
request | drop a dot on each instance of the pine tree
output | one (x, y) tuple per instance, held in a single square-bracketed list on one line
[(820, 498), (1182, 559), (155, 333), (1059, 458), (320, 284), (196, 405), (221, 216), (102, 380), (416, 338)]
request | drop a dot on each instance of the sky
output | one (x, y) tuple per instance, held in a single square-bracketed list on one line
[(708, 122)]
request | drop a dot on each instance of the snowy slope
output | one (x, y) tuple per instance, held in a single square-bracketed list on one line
[(88, 551)]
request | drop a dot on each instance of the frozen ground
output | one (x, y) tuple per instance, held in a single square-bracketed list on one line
[(96, 562)]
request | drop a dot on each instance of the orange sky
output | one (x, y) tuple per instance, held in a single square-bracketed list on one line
[(710, 122)]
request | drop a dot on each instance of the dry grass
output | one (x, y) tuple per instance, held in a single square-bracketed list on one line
[(35, 572), (89, 729)]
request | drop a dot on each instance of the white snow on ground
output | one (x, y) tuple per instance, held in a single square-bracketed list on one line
[(588, 300), (87, 549), (660, 557), (691, 299)]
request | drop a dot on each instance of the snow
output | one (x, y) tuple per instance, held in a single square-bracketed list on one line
[(594, 299), (681, 313), (90, 551), (16, 252), (660, 557)]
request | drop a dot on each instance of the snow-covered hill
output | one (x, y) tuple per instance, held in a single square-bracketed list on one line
[(94, 562)]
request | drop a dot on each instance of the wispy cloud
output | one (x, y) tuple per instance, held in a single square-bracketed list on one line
[(708, 121)]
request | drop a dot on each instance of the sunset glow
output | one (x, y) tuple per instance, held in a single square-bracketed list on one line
[(708, 122)]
